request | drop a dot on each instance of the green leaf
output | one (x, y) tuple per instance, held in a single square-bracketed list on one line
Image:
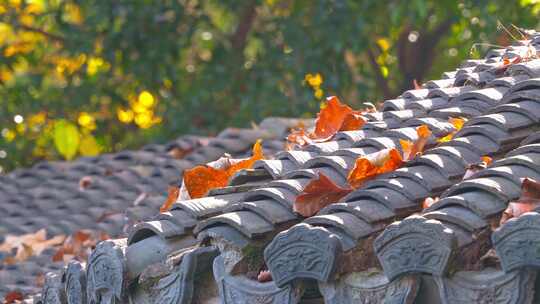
[(66, 138), (89, 146)]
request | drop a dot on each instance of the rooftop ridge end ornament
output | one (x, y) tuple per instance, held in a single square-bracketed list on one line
[(303, 251), (517, 243), (415, 245)]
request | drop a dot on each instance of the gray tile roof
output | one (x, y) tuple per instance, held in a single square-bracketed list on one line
[(119, 189), (376, 244)]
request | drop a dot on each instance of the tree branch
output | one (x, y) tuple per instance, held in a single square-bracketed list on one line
[(416, 58), (40, 31), (238, 40)]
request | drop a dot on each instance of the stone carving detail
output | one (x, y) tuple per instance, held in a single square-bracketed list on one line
[(53, 291), (178, 286), (303, 252), (369, 288), (105, 275), (241, 290), (517, 243), (487, 287), (415, 245), (75, 283)]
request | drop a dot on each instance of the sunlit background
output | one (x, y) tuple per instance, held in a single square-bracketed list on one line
[(80, 78)]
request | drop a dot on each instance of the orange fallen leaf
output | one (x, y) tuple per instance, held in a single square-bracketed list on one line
[(332, 118), (201, 179), (506, 64), (172, 196), (13, 297), (366, 169), (411, 149), (458, 123), (317, 194), (528, 200), (353, 121), (488, 160)]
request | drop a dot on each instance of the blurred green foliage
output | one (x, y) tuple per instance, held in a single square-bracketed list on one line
[(93, 76)]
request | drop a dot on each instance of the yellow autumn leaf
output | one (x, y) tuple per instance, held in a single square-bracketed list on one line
[(89, 146), (66, 138)]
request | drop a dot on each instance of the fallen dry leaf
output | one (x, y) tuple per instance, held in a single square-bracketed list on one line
[(368, 168), (317, 194), (28, 245), (471, 169), (412, 149), (332, 118), (506, 64), (201, 179), (488, 160), (13, 297), (78, 245), (528, 200), (172, 196), (179, 153), (458, 123), (85, 182)]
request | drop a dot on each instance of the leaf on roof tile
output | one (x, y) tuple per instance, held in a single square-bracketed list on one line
[(317, 194), (27, 245), (506, 64), (180, 153), (13, 297), (334, 117), (201, 179), (473, 168), (528, 200), (486, 159), (172, 196), (365, 169), (85, 182), (78, 245), (458, 123), (411, 149)]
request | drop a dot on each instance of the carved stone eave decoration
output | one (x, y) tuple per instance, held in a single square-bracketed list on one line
[(369, 287), (517, 242), (415, 245), (241, 290), (75, 283), (178, 286), (489, 286), (303, 252), (53, 290), (105, 274)]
